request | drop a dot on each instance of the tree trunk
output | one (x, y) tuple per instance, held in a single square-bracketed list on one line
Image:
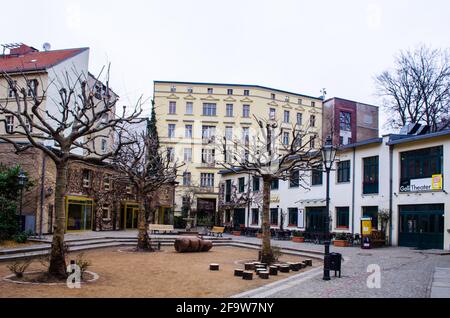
[(266, 250), (143, 243), (57, 266)]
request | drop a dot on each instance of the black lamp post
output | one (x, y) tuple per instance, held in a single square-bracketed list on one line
[(328, 157), (22, 181)]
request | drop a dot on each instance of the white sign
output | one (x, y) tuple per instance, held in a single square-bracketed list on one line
[(301, 220), (420, 185)]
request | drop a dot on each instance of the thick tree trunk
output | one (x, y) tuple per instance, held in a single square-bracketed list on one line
[(143, 243), (266, 250), (57, 266)]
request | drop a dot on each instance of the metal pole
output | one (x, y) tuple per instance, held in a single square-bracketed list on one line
[(326, 268)]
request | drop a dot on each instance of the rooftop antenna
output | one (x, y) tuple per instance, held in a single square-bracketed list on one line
[(324, 93), (46, 46)]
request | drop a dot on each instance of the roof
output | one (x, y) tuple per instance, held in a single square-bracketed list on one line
[(362, 143), (394, 140), (236, 85), (36, 61), (348, 100)]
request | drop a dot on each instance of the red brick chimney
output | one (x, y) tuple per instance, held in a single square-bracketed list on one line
[(22, 50)]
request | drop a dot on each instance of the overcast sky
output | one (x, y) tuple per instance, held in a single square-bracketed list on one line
[(299, 46)]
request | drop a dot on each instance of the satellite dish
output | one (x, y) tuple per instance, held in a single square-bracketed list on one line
[(46, 46)]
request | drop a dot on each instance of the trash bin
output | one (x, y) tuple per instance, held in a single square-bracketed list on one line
[(335, 261)]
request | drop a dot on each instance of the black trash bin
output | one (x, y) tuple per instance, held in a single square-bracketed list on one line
[(335, 260)]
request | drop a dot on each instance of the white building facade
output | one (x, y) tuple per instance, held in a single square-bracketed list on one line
[(402, 176)]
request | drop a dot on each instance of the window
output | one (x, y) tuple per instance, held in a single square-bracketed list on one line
[(228, 155), (241, 185), (313, 104), (170, 154), (245, 135), (274, 216), (420, 164), (209, 109), (286, 116), (171, 130), (229, 110), (208, 156), (343, 171), (312, 121), (210, 90), (272, 96), (208, 133), (9, 124), (300, 101), (317, 176), (187, 154), (229, 91), (246, 111), (294, 179), (190, 90), (229, 132), (187, 179), (11, 89), (286, 138), (32, 87), (312, 141), (370, 181), (104, 145), (256, 184), (272, 113), (342, 217), (106, 212), (129, 189), (106, 182), (228, 191), (293, 216), (286, 99), (189, 108), (299, 119), (345, 121), (207, 180), (173, 89), (371, 212), (86, 178), (255, 216), (188, 131), (274, 185), (172, 108), (246, 92), (341, 140)]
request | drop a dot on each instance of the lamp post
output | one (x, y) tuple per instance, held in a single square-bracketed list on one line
[(328, 157), (22, 181)]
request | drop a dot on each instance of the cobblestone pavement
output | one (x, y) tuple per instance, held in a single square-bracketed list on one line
[(405, 273)]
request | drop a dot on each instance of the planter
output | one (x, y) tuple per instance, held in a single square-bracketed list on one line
[(340, 243), (298, 239), (236, 233)]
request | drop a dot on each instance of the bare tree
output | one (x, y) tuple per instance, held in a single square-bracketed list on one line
[(271, 153), (147, 168), (417, 90), (65, 127)]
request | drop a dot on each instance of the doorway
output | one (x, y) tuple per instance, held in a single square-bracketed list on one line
[(79, 214), (129, 213)]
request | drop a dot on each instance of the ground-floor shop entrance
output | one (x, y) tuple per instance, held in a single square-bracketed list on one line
[(129, 213), (315, 219), (164, 215), (79, 216), (206, 211), (421, 226), (239, 218)]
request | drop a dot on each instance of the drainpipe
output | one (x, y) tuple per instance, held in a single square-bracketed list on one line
[(391, 168), (353, 189), (41, 216)]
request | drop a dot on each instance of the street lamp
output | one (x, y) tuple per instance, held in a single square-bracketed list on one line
[(22, 181), (328, 157)]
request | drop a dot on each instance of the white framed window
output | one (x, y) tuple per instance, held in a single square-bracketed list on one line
[(286, 98), (170, 154), (129, 189), (246, 92), (188, 131), (11, 89), (246, 111), (28, 124), (272, 96), (187, 176), (104, 145), (32, 87), (171, 130), (312, 141), (86, 178), (207, 180), (173, 89), (285, 138), (229, 132), (245, 135), (9, 123), (210, 90), (189, 108), (106, 212), (208, 156), (229, 91), (312, 121), (190, 90), (107, 182), (286, 116), (187, 154), (299, 119), (313, 104), (208, 133), (300, 101), (172, 108), (229, 110), (209, 109), (272, 113)]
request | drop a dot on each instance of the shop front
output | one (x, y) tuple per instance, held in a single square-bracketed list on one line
[(79, 213)]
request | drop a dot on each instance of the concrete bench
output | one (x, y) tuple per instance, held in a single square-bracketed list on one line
[(165, 228), (217, 230)]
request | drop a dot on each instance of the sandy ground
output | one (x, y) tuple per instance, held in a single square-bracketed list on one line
[(160, 274), (14, 244)]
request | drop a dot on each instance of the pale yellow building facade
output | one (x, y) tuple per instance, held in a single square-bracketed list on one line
[(193, 116)]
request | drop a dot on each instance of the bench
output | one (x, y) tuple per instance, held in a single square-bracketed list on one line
[(165, 228), (217, 230)]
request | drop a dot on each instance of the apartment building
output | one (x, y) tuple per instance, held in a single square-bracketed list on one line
[(403, 175), (193, 117)]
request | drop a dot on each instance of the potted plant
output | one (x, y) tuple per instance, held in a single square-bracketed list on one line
[(298, 237), (340, 240), (259, 234)]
